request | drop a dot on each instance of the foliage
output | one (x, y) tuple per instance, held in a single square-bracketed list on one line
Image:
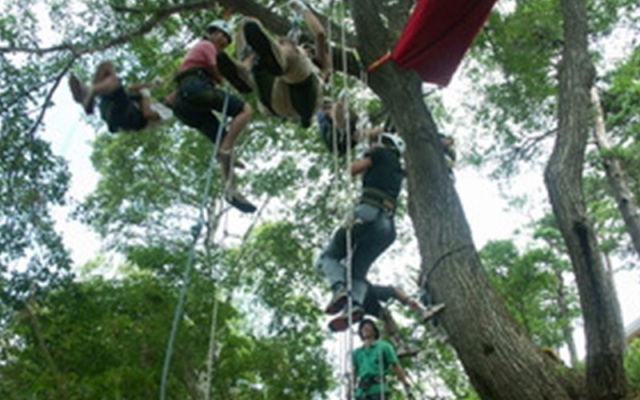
[(632, 364), (533, 285)]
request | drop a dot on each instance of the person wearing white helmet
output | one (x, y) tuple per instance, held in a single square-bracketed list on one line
[(371, 225), (197, 95), (288, 78)]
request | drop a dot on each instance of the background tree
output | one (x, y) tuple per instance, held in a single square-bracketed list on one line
[(142, 205)]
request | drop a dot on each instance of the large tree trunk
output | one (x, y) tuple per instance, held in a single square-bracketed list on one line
[(501, 361), (615, 176), (563, 179)]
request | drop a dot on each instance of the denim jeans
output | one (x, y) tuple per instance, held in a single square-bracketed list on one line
[(372, 232)]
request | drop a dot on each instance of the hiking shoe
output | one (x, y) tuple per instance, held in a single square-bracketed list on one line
[(432, 311), (240, 202), (341, 322), (236, 75), (270, 58), (338, 301), (407, 350)]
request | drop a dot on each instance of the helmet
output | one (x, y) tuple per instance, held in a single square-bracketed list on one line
[(222, 26), (395, 140)]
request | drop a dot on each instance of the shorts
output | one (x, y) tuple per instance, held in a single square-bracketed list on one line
[(197, 98), (121, 111)]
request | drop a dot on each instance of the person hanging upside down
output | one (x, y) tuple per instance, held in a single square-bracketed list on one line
[(288, 78), (374, 306), (197, 97), (371, 226), (123, 109), (371, 364)]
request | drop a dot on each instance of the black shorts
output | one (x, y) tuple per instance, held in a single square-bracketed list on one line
[(121, 111), (197, 98)]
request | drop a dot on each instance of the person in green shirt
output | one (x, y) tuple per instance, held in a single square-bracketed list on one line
[(372, 362)]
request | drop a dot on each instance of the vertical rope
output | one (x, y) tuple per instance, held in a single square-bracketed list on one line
[(195, 231)]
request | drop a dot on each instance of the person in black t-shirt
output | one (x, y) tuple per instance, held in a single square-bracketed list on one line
[(371, 225)]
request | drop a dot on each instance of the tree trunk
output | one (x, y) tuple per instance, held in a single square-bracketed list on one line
[(501, 361), (616, 176), (563, 179)]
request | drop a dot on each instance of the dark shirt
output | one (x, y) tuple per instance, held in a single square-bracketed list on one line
[(385, 173)]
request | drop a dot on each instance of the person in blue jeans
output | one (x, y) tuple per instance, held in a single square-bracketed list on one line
[(371, 225), (197, 97)]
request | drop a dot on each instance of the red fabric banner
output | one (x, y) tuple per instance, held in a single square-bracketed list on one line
[(437, 36)]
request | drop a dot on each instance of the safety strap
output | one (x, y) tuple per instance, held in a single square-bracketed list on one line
[(378, 198)]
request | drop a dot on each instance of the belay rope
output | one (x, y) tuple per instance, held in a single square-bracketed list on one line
[(195, 233)]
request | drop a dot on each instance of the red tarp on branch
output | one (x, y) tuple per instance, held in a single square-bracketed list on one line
[(437, 36)]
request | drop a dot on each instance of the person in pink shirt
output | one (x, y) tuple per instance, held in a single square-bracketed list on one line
[(198, 98)]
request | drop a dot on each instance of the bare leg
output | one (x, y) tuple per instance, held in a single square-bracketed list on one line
[(147, 112), (237, 125)]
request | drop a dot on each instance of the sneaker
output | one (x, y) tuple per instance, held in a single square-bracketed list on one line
[(341, 322), (338, 301), (240, 202), (270, 58), (432, 311), (407, 350), (236, 75)]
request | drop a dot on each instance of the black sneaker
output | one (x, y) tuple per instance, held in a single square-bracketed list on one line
[(338, 301), (233, 73), (341, 322), (240, 202), (260, 43)]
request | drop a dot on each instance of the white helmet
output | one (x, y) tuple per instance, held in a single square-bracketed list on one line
[(223, 26), (395, 140)]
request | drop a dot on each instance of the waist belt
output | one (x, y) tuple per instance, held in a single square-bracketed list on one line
[(378, 198), (366, 382), (192, 73)]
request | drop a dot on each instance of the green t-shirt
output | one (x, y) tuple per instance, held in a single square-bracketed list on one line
[(371, 364)]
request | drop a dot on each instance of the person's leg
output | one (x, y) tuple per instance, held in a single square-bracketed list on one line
[(370, 239), (147, 112), (270, 53), (329, 262)]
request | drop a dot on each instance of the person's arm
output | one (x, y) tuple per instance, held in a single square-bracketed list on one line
[(319, 36), (215, 74), (360, 165), (136, 87)]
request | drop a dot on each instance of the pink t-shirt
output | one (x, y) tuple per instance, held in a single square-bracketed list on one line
[(202, 55)]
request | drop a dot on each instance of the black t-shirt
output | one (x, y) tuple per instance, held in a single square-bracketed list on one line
[(385, 173)]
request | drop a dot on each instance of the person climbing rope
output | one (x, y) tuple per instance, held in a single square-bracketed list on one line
[(337, 128), (372, 362), (374, 305), (122, 109), (371, 225), (197, 96), (288, 78)]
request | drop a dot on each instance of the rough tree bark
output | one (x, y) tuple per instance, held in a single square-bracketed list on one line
[(501, 361), (563, 179)]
